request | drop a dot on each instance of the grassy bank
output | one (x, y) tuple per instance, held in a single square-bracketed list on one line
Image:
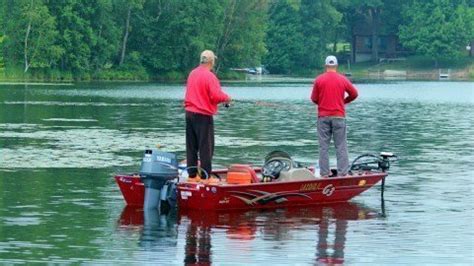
[(414, 67), (139, 75), (15, 74)]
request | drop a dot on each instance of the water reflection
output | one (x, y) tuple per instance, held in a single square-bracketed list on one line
[(198, 248), (156, 229), (328, 222)]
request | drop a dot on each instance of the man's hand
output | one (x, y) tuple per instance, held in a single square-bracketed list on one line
[(228, 102)]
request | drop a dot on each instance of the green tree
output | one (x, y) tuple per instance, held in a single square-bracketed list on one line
[(284, 37), (437, 28), (341, 28), (320, 25), (82, 38), (299, 32), (2, 32), (89, 34), (173, 33), (126, 8), (147, 43), (31, 35), (241, 36), (76, 36), (2, 63), (106, 33), (3, 4)]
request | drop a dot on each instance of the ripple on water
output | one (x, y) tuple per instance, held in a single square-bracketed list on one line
[(56, 103), (80, 148), (21, 221), (69, 120), (99, 147)]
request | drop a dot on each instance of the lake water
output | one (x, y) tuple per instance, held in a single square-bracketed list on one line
[(61, 145)]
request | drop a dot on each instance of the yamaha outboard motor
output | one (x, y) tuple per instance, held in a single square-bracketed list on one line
[(156, 170)]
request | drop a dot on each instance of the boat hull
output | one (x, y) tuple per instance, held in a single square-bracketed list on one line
[(132, 189), (199, 196)]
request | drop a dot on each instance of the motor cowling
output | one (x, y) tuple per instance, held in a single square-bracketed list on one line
[(158, 167), (156, 170)]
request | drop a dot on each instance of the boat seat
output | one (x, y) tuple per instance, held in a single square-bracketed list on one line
[(295, 174), (241, 174)]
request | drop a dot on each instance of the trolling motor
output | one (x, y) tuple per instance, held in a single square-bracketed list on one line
[(371, 162), (156, 172), (385, 163)]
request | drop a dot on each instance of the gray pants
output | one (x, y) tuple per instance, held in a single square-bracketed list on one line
[(333, 127)]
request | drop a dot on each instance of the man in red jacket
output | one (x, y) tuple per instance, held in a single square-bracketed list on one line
[(329, 93), (203, 94)]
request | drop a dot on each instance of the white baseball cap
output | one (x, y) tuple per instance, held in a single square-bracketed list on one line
[(331, 61)]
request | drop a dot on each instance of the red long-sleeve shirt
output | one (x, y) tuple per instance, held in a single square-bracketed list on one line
[(203, 92), (329, 93)]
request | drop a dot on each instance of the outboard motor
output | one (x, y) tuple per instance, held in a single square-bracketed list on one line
[(156, 170)]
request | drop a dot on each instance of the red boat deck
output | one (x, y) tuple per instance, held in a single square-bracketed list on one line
[(223, 196)]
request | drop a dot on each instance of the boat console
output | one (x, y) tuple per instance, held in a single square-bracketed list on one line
[(280, 167)]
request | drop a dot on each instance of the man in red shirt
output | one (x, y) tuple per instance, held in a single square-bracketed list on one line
[(329, 93), (203, 94)]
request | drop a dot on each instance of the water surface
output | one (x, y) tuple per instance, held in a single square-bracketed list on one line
[(61, 145)]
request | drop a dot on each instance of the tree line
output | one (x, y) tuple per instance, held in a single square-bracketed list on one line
[(150, 39)]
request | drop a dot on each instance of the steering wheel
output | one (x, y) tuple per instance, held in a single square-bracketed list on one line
[(273, 167)]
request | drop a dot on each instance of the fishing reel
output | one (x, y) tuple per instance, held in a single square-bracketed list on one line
[(370, 162)]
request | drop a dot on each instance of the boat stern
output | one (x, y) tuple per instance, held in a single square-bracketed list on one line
[(132, 189)]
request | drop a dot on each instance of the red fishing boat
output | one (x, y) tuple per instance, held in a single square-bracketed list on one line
[(280, 182)]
